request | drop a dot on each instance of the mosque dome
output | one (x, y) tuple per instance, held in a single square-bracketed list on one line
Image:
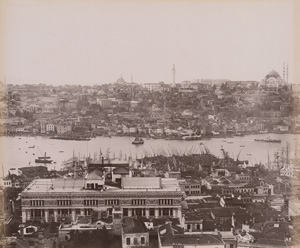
[(273, 74), (120, 81)]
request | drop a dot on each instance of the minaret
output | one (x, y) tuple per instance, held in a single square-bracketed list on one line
[(283, 74), (287, 73), (173, 74)]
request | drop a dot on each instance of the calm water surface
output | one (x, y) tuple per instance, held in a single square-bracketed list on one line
[(15, 151)]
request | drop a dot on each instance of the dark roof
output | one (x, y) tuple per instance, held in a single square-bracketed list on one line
[(209, 225), (107, 220), (271, 242), (121, 170), (132, 225), (192, 239), (33, 168), (232, 168), (164, 219), (204, 205), (211, 199), (228, 212), (225, 226), (233, 201)]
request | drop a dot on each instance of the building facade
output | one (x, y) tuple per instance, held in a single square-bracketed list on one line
[(54, 200)]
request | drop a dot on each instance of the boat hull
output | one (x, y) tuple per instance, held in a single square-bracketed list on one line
[(43, 161), (268, 141), (137, 142)]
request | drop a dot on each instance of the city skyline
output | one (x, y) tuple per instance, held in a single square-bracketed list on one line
[(96, 42)]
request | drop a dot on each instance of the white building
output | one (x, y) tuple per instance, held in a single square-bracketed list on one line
[(50, 128), (55, 199)]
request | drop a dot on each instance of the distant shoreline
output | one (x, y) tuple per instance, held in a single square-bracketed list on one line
[(83, 137)]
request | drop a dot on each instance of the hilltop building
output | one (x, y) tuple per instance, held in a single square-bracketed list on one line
[(274, 80)]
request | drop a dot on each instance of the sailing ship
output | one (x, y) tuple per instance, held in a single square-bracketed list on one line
[(138, 141), (44, 160)]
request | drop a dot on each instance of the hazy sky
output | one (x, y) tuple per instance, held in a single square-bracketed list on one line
[(94, 42)]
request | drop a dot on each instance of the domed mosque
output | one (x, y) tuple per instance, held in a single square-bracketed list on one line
[(120, 81), (273, 79), (273, 74)]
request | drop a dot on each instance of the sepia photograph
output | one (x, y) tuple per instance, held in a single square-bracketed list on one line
[(149, 124)]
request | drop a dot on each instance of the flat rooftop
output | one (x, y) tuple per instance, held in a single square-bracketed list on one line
[(132, 184)]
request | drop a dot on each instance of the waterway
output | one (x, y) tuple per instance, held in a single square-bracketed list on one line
[(15, 151)]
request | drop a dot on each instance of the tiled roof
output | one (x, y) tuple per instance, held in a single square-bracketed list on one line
[(228, 212), (132, 225), (163, 219), (95, 175), (186, 239)]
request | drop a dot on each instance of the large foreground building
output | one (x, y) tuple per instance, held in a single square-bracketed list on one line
[(60, 199)]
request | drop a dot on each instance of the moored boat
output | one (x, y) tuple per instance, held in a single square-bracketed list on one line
[(138, 141), (44, 160), (192, 137), (78, 138), (268, 140)]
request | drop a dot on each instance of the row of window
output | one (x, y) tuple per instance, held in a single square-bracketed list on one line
[(115, 202), (197, 227), (90, 202), (192, 192), (37, 213), (135, 241), (64, 202), (112, 202), (37, 203), (192, 186), (142, 212), (244, 178), (165, 201), (89, 211), (230, 191), (138, 202), (94, 186)]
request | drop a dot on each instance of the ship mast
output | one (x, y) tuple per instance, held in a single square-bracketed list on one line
[(287, 153), (268, 164)]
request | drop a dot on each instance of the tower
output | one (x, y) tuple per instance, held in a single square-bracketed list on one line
[(173, 74)]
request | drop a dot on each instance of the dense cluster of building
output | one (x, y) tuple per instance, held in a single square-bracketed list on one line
[(201, 201), (204, 106), (238, 205)]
